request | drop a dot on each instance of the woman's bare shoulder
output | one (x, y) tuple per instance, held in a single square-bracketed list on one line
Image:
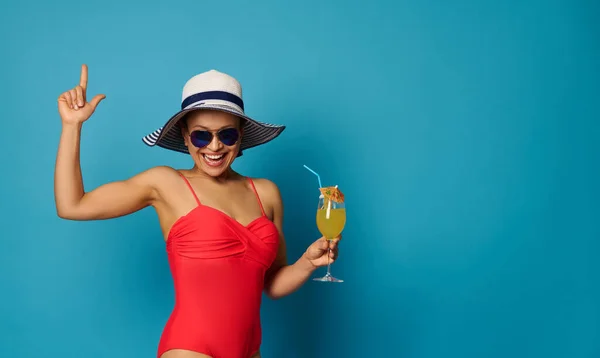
[(161, 175), (267, 186), (160, 171), (269, 193)]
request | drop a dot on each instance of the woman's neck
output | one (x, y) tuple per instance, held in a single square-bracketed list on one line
[(227, 175)]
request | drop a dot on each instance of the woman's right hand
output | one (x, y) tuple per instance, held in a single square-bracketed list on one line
[(73, 106)]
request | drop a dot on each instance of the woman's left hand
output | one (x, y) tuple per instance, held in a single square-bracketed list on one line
[(317, 251)]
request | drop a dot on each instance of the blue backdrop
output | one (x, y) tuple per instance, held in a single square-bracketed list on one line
[(463, 133)]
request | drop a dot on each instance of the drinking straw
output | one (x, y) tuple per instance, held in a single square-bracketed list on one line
[(328, 212), (315, 173)]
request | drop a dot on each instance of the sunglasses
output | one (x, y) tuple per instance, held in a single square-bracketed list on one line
[(227, 136)]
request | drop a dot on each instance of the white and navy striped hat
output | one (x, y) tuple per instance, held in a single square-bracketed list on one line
[(217, 91)]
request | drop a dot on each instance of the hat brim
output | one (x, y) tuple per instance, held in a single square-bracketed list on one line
[(255, 133)]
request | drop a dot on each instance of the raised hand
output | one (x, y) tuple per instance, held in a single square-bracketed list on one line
[(73, 106)]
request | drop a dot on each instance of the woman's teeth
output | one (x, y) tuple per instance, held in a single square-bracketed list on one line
[(214, 160)]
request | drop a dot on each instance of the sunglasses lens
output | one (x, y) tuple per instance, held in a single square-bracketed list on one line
[(200, 139), (229, 136)]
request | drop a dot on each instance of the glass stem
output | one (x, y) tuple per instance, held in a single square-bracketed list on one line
[(328, 260)]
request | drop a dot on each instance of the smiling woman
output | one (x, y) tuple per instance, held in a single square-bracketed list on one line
[(223, 231)]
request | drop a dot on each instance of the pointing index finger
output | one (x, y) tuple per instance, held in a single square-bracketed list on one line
[(84, 77)]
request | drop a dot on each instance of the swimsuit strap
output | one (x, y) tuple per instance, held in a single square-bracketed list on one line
[(191, 189), (257, 197)]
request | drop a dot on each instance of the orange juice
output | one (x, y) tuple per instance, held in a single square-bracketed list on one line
[(332, 226)]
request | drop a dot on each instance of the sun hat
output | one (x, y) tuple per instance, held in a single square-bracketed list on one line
[(216, 91)]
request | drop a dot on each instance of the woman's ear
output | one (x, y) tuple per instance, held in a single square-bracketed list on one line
[(242, 124), (184, 135), (184, 131)]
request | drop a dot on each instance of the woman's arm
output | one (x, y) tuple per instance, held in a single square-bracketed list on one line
[(107, 201)]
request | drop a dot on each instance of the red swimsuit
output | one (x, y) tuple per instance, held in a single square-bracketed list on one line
[(218, 267)]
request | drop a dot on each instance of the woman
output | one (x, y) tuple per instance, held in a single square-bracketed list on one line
[(223, 231)]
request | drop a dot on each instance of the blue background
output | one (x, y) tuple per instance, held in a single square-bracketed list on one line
[(463, 133)]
